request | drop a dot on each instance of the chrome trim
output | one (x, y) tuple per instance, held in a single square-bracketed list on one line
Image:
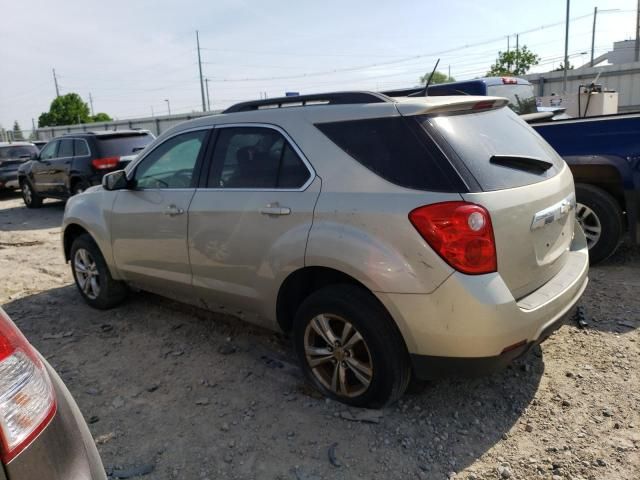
[(554, 212), (287, 137)]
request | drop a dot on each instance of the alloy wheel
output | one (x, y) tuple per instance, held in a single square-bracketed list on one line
[(338, 355), (26, 193), (590, 223), (87, 274)]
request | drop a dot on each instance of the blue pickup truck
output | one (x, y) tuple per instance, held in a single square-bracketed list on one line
[(602, 152)]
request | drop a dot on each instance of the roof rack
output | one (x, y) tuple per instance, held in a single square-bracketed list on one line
[(332, 98)]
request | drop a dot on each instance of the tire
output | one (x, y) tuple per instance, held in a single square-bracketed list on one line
[(381, 347), (602, 213), (106, 292), (29, 196), (79, 186)]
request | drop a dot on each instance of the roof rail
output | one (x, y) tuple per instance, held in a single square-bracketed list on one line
[(331, 98)]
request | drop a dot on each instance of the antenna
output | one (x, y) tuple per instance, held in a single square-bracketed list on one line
[(426, 87)]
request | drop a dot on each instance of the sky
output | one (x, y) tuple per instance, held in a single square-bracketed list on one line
[(131, 56)]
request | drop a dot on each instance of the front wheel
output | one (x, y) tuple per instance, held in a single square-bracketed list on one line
[(600, 216), (29, 196), (349, 347), (92, 275)]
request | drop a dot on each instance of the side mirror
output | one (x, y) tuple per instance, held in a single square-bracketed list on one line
[(34, 156), (115, 180)]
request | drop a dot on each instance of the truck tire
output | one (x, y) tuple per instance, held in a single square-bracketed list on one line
[(600, 216)]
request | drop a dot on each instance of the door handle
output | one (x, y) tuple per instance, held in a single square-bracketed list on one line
[(275, 209), (172, 211)]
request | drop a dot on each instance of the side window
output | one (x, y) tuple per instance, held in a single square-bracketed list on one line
[(395, 151), (65, 149), (49, 151), (255, 157), (80, 148), (171, 164)]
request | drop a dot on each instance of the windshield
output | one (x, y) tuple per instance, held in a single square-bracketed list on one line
[(521, 97), (113, 146), (476, 137), (17, 151)]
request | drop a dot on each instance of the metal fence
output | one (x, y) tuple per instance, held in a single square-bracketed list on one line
[(155, 125)]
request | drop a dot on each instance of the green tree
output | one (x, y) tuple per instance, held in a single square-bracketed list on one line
[(561, 67), (17, 132), (101, 117), (513, 63), (67, 109), (438, 77)]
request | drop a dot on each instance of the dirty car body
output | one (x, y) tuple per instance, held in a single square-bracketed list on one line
[(448, 220)]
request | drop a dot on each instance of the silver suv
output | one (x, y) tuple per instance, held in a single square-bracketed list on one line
[(392, 236)]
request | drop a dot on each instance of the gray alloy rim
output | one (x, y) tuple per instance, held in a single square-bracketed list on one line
[(337, 355), (26, 193), (590, 223), (87, 274)]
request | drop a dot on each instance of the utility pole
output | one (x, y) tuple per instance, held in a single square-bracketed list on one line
[(91, 103), (566, 51), (206, 81), (448, 79), (33, 128), (517, 53), (593, 34), (204, 107), (55, 80), (638, 32)]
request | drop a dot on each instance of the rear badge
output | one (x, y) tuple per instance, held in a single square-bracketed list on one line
[(554, 212)]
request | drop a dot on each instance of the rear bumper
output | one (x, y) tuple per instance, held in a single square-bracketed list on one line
[(65, 449), (470, 322)]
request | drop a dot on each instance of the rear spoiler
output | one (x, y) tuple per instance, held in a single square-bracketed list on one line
[(410, 106)]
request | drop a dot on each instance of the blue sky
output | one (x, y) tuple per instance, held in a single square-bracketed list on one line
[(131, 55)]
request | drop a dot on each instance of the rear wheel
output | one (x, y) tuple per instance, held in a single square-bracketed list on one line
[(349, 347), (29, 196), (92, 275), (79, 186), (600, 217)]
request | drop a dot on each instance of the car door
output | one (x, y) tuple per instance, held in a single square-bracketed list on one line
[(60, 166), (248, 226), (149, 221), (42, 171)]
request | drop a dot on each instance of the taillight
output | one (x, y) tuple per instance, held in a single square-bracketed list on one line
[(461, 233), (104, 163), (27, 399)]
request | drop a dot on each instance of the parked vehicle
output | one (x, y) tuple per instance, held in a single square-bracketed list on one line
[(12, 155), (42, 432), (425, 236), (603, 154), (39, 143), (70, 164)]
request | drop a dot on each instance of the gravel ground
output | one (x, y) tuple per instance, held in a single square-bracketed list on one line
[(177, 392)]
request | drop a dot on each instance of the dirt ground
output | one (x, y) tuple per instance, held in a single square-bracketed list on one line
[(178, 392)]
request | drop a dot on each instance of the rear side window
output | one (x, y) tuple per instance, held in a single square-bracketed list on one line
[(117, 145), (477, 137), (256, 157), (395, 151)]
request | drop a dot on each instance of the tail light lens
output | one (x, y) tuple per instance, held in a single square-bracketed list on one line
[(27, 399), (105, 163), (461, 233)]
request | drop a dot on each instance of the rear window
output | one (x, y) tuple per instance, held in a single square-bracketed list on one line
[(521, 97), (116, 145), (476, 137), (17, 151), (396, 151)]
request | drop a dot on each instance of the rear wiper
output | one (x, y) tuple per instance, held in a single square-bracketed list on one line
[(528, 164)]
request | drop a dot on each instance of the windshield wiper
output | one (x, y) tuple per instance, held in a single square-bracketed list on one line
[(519, 162)]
